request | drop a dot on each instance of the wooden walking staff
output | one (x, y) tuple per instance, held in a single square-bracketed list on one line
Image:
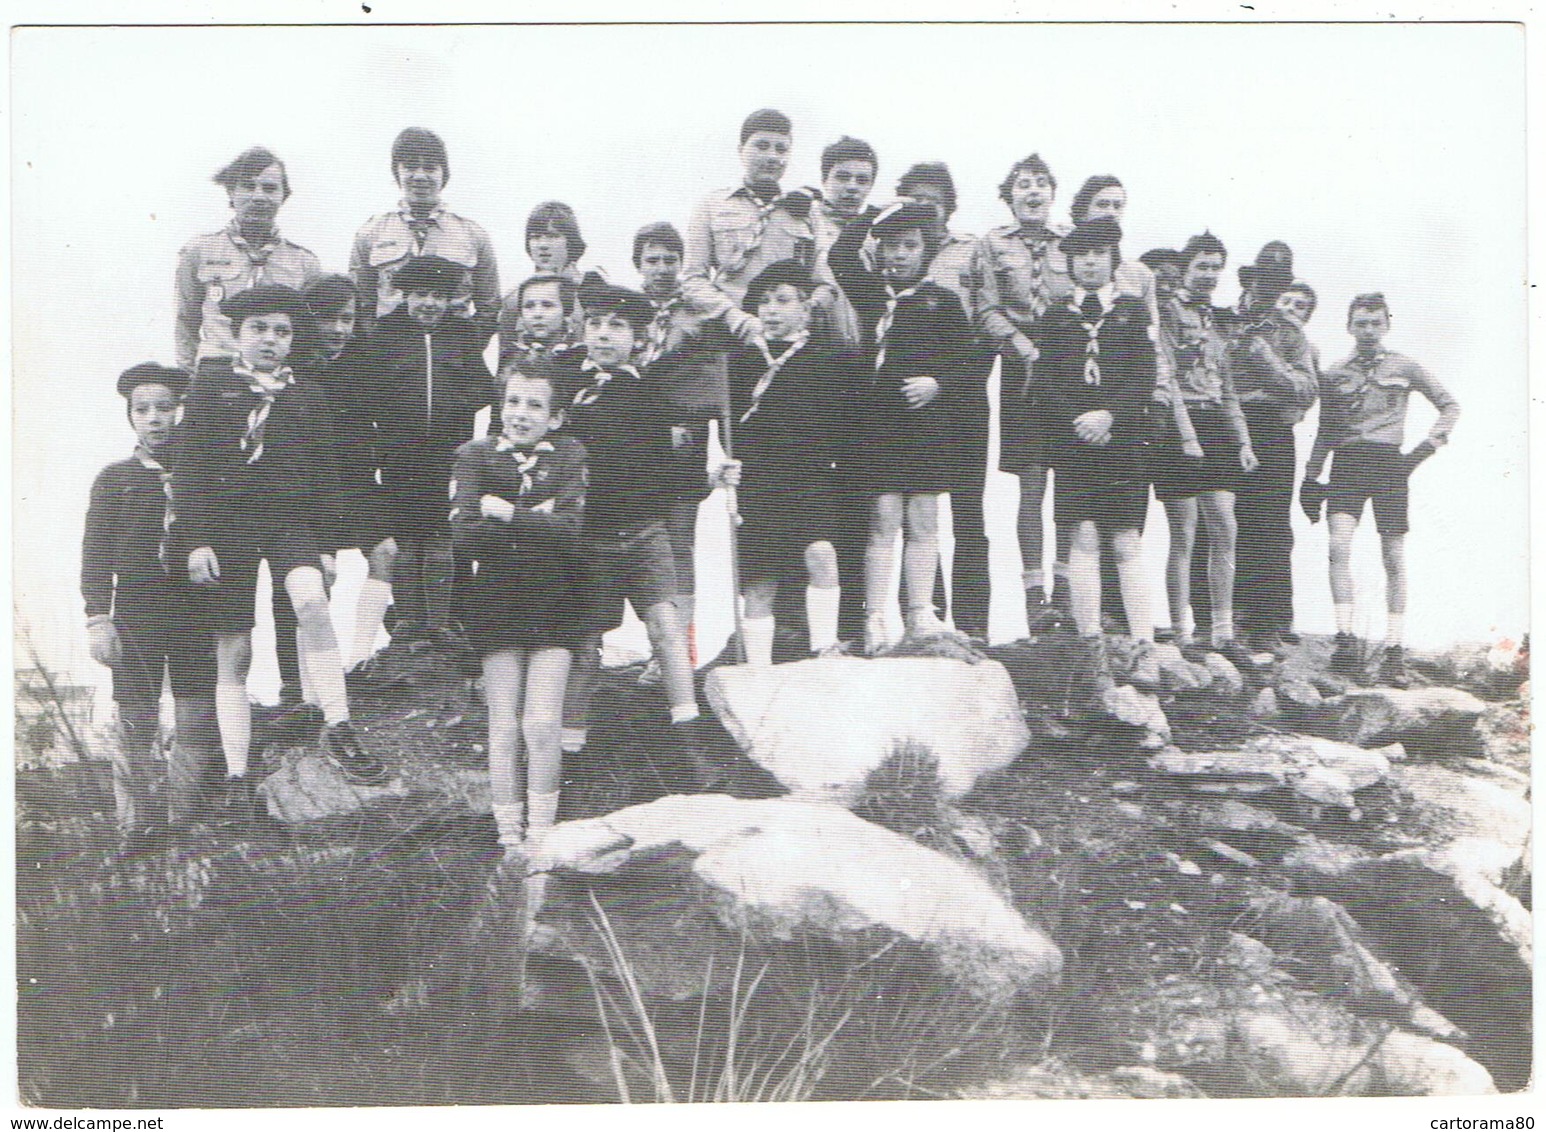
[(727, 442)]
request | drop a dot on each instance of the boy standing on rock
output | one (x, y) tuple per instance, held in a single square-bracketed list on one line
[(1363, 418)]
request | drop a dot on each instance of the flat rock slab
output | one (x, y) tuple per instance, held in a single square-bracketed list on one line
[(1435, 721), (1127, 705), (783, 867), (1321, 770), (821, 726)]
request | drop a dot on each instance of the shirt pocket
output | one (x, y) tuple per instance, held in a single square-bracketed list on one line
[(221, 279), (456, 246), (388, 251)]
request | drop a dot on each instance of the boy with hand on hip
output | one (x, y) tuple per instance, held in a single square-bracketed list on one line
[(1363, 422)]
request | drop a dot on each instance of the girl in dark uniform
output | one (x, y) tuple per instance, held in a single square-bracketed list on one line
[(917, 347)]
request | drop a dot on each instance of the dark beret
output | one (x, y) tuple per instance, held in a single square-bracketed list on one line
[(775, 275), (597, 296), (266, 298), (152, 373), (1102, 232), (431, 273)]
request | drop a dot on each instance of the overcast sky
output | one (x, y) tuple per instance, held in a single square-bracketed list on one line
[(1388, 157)]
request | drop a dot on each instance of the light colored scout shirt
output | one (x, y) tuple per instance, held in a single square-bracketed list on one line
[(212, 268), (389, 240), (1366, 399)]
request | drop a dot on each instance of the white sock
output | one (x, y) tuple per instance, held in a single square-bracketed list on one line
[(234, 715), (573, 740), (541, 811), (1033, 579), (1223, 629), (821, 609), (375, 596), (308, 689), (1344, 612), (1395, 626), (758, 633), (326, 668), (510, 818), (684, 713)]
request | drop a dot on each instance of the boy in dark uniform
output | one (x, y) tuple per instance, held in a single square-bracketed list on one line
[(1095, 377), (1363, 421), (430, 382), (142, 620), (635, 475), (788, 408), (537, 325), (255, 478)]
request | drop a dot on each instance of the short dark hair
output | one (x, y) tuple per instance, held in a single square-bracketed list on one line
[(247, 165), (555, 218), (930, 173), (1307, 291), (418, 144), (766, 121), (531, 370), (662, 232), (1088, 191), (566, 288), (1369, 301), (1035, 164), (1205, 243), (847, 149)]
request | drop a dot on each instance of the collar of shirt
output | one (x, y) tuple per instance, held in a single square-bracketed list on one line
[(589, 366), (431, 217), (264, 383), (1107, 295), (233, 230), (1371, 363), (505, 444), (147, 458)]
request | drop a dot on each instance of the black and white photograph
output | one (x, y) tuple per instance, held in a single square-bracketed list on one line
[(584, 563)]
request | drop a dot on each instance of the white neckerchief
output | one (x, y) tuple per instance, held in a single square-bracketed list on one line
[(1092, 329), (147, 459), (268, 386), (590, 394), (765, 382), (883, 327), (659, 329), (526, 460), (764, 214)]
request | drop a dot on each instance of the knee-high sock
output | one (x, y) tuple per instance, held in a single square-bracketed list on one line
[(541, 811), (510, 817), (759, 641), (326, 669), (821, 613), (1135, 599), (369, 611), (234, 715)]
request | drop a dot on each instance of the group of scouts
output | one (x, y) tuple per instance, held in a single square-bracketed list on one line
[(842, 354)]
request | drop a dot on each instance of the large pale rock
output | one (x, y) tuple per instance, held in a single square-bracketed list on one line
[(1053, 1080), (1303, 1056), (1132, 708), (310, 789), (1226, 677), (1321, 770), (783, 867), (1177, 674), (1463, 805), (1434, 721), (1297, 696), (1332, 954), (821, 726)]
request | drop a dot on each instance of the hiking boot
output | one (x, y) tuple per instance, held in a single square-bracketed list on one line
[(1289, 637), (297, 723), (1041, 615), (341, 747), (238, 806), (1346, 658), (1144, 673), (1096, 665), (1393, 668), (1237, 654)]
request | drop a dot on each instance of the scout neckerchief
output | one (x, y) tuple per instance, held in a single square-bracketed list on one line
[(526, 460), (419, 226), (268, 387), (883, 327), (659, 328), (765, 382), (1037, 239), (1092, 314), (257, 254), (590, 394), (534, 349), (147, 459), (793, 203)]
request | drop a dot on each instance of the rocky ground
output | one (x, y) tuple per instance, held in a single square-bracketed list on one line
[(936, 874)]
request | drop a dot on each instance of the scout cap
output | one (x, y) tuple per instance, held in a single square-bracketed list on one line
[(775, 275), (1102, 232), (597, 296), (432, 273), (266, 298), (152, 373)]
